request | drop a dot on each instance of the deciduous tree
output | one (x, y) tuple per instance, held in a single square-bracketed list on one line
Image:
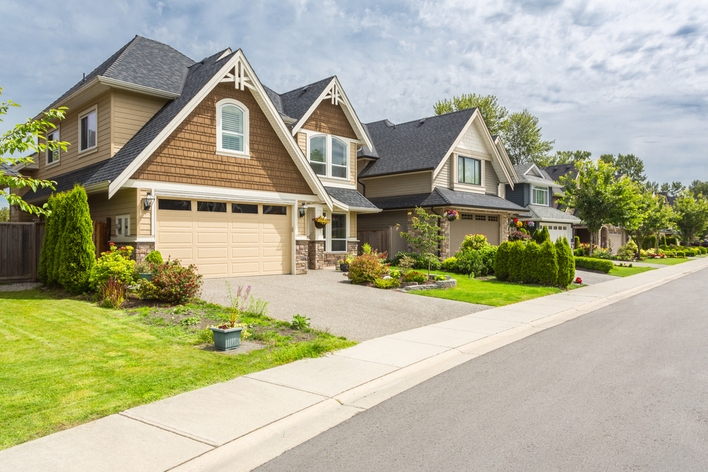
[(691, 216), (425, 237)]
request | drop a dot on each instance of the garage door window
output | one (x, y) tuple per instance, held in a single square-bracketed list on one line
[(275, 210), (179, 205), (216, 207), (243, 208)]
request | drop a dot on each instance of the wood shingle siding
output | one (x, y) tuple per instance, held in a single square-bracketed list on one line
[(330, 119), (130, 112), (189, 154), (403, 184)]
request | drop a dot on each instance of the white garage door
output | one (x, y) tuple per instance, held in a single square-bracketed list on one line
[(487, 225), (225, 239), (615, 240), (559, 230)]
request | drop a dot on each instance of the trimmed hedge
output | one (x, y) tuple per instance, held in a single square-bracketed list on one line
[(594, 264), (516, 258), (566, 262), (530, 272), (503, 259), (547, 264)]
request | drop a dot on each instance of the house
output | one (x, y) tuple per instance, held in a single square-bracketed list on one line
[(202, 162), (610, 237), (535, 191), (443, 162)]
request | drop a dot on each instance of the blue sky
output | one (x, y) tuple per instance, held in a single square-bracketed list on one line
[(603, 76)]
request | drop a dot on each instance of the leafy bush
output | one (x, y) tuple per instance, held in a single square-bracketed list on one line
[(77, 253), (440, 278), (172, 283), (516, 259), (541, 235), (421, 262), (566, 263), (594, 264), (628, 251), (469, 263), (395, 273), (529, 272), (576, 242), (649, 242), (519, 236), (449, 264), (502, 261), (415, 276), (387, 283), (672, 240), (489, 257), (547, 264), (154, 257), (703, 250), (113, 264), (680, 254), (474, 242), (579, 252), (602, 253), (365, 268)]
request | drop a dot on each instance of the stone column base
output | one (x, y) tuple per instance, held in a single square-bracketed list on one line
[(315, 255), (301, 257), (142, 250)]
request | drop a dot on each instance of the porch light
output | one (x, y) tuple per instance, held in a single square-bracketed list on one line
[(302, 210), (148, 201)]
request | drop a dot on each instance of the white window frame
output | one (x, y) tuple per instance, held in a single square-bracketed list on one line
[(328, 158), (328, 234), (533, 195), (82, 115), (55, 133), (245, 154), (122, 225), (457, 169)]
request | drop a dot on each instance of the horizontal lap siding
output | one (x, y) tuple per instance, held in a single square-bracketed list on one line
[(124, 202), (130, 112), (491, 181), (444, 176), (406, 184)]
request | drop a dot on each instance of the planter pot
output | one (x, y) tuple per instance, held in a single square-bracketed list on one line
[(451, 218), (344, 267), (226, 339), (319, 225), (146, 276)]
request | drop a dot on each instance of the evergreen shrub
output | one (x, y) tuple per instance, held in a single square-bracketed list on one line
[(566, 263), (594, 264), (529, 266), (516, 260), (502, 260), (547, 265)]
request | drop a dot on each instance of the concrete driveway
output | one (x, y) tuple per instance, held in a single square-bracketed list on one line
[(334, 305)]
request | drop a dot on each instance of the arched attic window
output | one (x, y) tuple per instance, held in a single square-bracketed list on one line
[(232, 128), (328, 156)]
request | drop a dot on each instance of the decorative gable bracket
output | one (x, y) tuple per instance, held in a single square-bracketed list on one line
[(334, 93), (239, 75)]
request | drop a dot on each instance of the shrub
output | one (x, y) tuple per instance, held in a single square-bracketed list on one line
[(415, 276), (672, 240), (395, 273), (566, 263), (502, 260), (113, 264), (154, 257), (541, 235), (449, 264), (489, 256), (628, 251), (516, 259), (703, 250), (387, 283), (366, 248), (547, 264), (77, 253), (474, 242), (529, 264), (51, 236), (421, 262), (649, 242), (579, 252), (576, 242), (594, 264), (365, 268), (680, 254), (469, 263), (172, 283), (113, 293), (519, 236)]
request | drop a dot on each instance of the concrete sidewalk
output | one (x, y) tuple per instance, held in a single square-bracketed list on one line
[(243, 423)]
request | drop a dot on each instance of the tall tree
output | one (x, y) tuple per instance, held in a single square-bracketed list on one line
[(563, 157), (600, 197), (656, 214), (627, 164), (672, 189), (29, 136), (691, 216), (699, 188), (495, 115)]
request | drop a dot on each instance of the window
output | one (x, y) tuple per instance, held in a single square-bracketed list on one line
[(180, 205), (123, 225), (52, 156), (216, 207), (231, 128), (469, 171), (328, 156), (539, 196), (87, 130), (275, 210), (243, 208)]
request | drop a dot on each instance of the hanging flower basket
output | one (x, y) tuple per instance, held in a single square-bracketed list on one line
[(451, 215), (320, 222)]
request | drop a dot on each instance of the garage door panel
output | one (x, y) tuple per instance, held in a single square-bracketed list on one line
[(212, 238), (245, 238), (175, 238), (215, 270), (245, 252), (212, 252), (246, 268), (184, 254)]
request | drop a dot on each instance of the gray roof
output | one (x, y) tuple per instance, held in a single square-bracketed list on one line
[(521, 169), (7, 169), (295, 103), (350, 197), (555, 172), (446, 197), (365, 151), (142, 62), (65, 181), (546, 213), (416, 145)]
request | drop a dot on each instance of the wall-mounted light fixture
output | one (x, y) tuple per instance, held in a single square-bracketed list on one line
[(148, 201), (302, 210)]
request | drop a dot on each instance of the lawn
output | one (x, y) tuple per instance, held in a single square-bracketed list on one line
[(669, 261), (618, 271), (68, 361), (487, 291)]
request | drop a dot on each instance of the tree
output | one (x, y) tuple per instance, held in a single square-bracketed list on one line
[(75, 245), (494, 115), (4, 214), (563, 157), (29, 136), (600, 197), (672, 189), (656, 214), (691, 216), (425, 237), (627, 164), (698, 188)]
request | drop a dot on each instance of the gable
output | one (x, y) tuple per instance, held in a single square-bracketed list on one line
[(473, 140), (330, 119), (189, 156)]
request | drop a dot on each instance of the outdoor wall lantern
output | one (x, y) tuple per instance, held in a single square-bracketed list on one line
[(302, 210), (148, 201)]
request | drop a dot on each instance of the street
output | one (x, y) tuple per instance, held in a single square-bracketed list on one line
[(622, 388)]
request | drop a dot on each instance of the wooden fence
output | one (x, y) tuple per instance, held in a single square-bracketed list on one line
[(20, 244), (378, 239)]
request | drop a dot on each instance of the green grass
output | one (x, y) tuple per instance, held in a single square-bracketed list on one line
[(66, 361), (627, 271), (488, 291), (669, 261)]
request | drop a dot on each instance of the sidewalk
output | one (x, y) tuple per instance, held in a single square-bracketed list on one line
[(243, 423)]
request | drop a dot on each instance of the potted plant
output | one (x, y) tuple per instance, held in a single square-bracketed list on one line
[(451, 214), (320, 221), (144, 270), (344, 262), (227, 336)]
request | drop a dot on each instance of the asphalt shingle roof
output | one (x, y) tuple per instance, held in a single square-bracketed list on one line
[(65, 181), (416, 145), (446, 197), (295, 103), (521, 169), (547, 213), (8, 170), (555, 172), (350, 197)]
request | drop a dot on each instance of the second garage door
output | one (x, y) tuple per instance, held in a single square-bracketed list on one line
[(487, 225), (225, 239)]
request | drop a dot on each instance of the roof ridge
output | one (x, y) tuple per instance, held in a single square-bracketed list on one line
[(297, 89), (442, 196), (122, 54), (417, 120)]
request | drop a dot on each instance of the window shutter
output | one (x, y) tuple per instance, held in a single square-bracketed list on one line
[(232, 119)]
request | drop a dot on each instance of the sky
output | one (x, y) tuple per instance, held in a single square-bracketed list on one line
[(601, 76)]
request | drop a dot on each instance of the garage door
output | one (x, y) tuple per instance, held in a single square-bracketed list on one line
[(559, 230), (224, 238), (487, 225), (615, 240)]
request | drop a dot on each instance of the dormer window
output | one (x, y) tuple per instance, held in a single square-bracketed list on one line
[(52, 155), (539, 195), (469, 171), (328, 156), (231, 128)]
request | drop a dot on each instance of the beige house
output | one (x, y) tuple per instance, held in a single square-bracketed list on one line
[(202, 162), (443, 162)]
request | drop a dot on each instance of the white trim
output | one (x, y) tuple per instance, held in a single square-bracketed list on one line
[(83, 114), (246, 128), (328, 158), (119, 84), (266, 104), (328, 232), (58, 151), (481, 170), (545, 189), (394, 174), (339, 183)]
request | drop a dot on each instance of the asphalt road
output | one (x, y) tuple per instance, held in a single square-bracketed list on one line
[(622, 388)]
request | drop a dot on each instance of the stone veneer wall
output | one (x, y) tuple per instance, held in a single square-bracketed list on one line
[(315, 255), (445, 245), (142, 250), (331, 258), (301, 257), (505, 229)]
